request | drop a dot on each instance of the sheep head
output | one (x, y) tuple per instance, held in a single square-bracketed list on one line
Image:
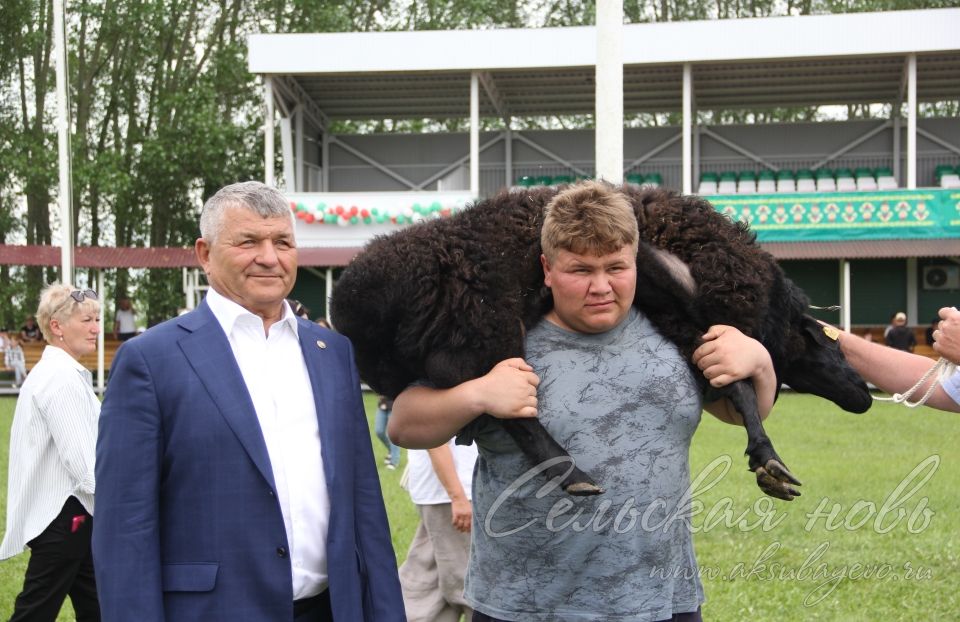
[(821, 369)]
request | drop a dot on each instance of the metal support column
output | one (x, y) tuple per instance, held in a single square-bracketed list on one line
[(508, 156), (101, 360), (912, 310), (687, 180), (912, 121), (845, 295), (63, 145), (474, 134), (300, 168), (329, 294), (268, 157), (325, 161), (897, 150)]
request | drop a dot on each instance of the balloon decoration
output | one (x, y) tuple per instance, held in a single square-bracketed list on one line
[(350, 215)]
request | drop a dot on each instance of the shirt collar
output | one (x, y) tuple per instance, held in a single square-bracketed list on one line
[(228, 312), (56, 353)]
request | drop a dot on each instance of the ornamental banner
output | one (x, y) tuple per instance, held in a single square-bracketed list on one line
[(836, 216)]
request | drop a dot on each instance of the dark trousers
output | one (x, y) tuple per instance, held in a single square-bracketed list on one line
[(693, 616), (61, 564), (314, 609)]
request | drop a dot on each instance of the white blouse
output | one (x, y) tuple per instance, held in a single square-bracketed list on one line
[(52, 447)]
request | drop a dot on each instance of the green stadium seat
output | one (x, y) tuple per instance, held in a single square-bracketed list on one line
[(635, 179), (526, 181), (544, 180), (747, 182), (885, 179), (950, 177), (865, 179), (825, 180), (728, 183), (708, 183), (846, 182), (805, 181), (563, 180), (653, 179), (766, 182), (786, 182)]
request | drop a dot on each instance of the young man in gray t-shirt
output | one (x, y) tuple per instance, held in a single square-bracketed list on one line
[(622, 401)]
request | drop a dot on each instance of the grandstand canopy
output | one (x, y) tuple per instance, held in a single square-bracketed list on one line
[(737, 64)]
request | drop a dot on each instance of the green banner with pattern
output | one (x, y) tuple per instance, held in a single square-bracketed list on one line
[(836, 216)]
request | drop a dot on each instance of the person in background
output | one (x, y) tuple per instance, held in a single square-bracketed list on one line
[(235, 475), (384, 406), (928, 334), (50, 488), (439, 483), (14, 359), (125, 321), (895, 371), (298, 309), (30, 331), (900, 336)]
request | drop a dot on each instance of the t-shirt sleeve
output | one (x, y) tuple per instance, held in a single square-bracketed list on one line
[(475, 430)]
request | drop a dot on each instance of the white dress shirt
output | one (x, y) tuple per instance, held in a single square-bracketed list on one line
[(276, 376), (52, 447)]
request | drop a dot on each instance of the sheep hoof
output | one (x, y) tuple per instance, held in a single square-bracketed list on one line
[(775, 480), (583, 489)]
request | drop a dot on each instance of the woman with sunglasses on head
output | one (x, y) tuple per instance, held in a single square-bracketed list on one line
[(51, 477)]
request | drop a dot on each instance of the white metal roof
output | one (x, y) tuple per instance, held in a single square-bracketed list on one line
[(742, 63)]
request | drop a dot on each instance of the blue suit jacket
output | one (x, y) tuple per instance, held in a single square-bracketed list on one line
[(188, 526)]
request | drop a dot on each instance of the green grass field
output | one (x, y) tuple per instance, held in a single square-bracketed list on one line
[(866, 541)]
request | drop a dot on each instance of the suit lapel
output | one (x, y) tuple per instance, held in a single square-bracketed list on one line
[(320, 370), (208, 352)]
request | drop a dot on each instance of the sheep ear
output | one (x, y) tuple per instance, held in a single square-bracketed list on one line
[(822, 334)]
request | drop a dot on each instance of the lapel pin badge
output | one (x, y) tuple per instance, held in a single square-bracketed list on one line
[(321, 344)]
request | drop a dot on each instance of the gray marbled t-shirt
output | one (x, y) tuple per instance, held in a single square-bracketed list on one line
[(625, 406)]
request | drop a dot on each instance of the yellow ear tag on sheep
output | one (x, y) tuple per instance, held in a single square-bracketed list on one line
[(831, 332)]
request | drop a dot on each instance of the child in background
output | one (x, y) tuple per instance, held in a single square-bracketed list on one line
[(13, 358)]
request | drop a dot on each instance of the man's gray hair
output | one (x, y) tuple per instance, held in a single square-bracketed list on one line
[(254, 196)]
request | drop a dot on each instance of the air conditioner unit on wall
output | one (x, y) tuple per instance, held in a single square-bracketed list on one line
[(941, 277)]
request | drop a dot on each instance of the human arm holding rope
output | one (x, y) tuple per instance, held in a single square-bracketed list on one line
[(896, 371)]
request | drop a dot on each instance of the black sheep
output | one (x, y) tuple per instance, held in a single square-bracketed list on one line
[(445, 300)]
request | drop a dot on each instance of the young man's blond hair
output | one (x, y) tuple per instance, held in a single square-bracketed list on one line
[(590, 218)]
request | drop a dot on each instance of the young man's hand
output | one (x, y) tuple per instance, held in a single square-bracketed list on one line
[(509, 390), (728, 355)]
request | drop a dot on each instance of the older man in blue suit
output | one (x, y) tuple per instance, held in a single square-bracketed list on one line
[(235, 477)]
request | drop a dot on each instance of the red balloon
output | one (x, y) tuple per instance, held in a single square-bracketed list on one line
[(353, 210), (309, 218), (293, 206), (365, 213), (339, 210)]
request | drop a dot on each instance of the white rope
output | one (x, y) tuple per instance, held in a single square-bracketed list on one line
[(939, 370)]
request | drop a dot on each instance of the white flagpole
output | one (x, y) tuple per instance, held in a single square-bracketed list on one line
[(63, 143)]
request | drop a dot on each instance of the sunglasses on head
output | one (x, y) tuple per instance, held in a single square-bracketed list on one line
[(79, 295)]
